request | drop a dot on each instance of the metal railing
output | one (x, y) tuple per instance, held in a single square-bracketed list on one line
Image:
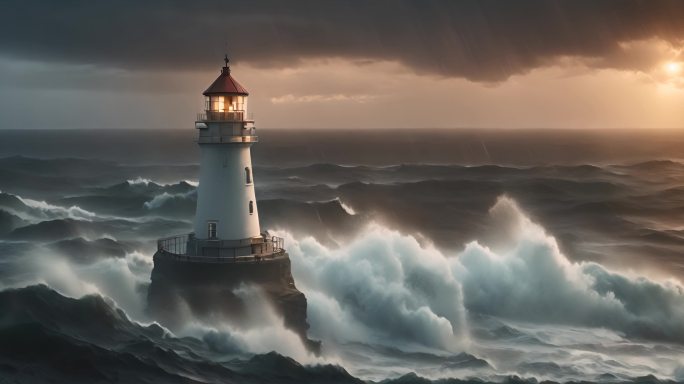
[(178, 245), (259, 248), (221, 116), (232, 133), (227, 139), (278, 244), (221, 259)]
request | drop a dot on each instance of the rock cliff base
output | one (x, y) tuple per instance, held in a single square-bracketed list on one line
[(209, 291)]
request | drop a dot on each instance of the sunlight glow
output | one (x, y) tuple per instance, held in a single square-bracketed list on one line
[(673, 68)]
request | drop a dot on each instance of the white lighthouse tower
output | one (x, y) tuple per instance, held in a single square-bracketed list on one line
[(226, 204), (200, 271)]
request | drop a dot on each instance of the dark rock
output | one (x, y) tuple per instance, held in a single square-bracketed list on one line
[(208, 290)]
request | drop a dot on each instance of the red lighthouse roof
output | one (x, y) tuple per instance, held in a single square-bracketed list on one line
[(225, 83)]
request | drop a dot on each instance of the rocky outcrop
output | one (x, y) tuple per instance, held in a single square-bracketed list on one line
[(207, 289)]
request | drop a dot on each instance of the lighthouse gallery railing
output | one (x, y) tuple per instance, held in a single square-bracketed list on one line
[(267, 246), (222, 116)]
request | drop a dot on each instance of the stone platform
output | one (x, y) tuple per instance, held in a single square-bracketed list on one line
[(206, 285)]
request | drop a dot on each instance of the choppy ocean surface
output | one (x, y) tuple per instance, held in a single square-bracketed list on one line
[(497, 256)]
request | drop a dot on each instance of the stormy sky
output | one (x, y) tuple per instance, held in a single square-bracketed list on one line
[(345, 63)]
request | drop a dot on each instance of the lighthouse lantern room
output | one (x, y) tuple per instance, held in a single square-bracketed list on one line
[(225, 99)]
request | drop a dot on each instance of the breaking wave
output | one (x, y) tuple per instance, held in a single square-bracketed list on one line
[(93, 340), (140, 180), (167, 198), (35, 210), (386, 286), (54, 211)]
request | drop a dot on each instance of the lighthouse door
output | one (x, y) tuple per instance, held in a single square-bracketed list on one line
[(211, 230)]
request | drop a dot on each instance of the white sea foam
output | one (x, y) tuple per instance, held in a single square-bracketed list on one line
[(51, 211), (382, 285), (40, 210), (165, 197), (145, 181), (266, 331), (385, 287), (383, 275), (119, 279), (347, 208), (140, 181)]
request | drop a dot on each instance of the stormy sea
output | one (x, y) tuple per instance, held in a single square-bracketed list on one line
[(426, 256)]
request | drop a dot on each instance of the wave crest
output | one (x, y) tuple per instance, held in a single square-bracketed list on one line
[(387, 286)]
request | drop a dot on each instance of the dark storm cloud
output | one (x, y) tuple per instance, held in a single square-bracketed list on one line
[(479, 40)]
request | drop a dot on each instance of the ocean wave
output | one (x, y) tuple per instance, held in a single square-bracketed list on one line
[(60, 229), (654, 165), (337, 174), (52, 211), (9, 222), (172, 201), (144, 182), (140, 180), (36, 210), (94, 340), (57, 165), (52, 230), (88, 251), (384, 286), (142, 186), (329, 221)]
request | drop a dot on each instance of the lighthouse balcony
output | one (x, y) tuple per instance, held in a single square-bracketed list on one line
[(226, 132), (222, 116), (227, 139), (250, 250)]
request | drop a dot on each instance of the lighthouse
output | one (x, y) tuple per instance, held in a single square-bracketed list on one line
[(199, 273)]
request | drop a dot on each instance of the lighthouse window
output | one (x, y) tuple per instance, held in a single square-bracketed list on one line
[(251, 207), (248, 175), (218, 103), (211, 229)]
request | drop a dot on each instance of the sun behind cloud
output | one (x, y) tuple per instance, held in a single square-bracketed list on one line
[(673, 68)]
